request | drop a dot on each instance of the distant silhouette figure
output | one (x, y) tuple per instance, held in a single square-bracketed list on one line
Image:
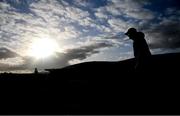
[(35, 71), (141, 50)]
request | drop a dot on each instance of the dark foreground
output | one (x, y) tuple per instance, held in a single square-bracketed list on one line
[(95, 88)]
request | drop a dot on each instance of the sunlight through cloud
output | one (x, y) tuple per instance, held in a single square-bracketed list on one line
[(43, 48)]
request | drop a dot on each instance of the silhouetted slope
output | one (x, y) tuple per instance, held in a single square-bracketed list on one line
[(164, 63), (96, 88)]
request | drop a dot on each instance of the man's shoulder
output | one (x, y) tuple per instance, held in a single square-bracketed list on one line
[(140, 34)]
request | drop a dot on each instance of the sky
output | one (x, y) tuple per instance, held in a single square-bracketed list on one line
[(84, 30)]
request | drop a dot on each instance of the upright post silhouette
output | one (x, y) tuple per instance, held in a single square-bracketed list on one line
[(35, 71)]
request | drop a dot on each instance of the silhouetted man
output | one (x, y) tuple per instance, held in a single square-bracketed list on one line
[(141, 50)]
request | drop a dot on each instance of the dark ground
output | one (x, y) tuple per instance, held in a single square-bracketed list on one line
[(96, 88)]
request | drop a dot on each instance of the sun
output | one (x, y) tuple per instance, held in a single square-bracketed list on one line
[(43, 48)]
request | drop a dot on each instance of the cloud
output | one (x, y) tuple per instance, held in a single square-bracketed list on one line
[(84, 51), (19, 5), (123, 14), (57, 19), (6, 53), (76, 54), (119, 25), (12, 64), (52, 18), (84, 3), (126, 8), (100, 14), (165, 35), (10, 60), (57, 61)]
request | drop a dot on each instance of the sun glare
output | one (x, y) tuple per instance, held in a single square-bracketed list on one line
[(42, 48)]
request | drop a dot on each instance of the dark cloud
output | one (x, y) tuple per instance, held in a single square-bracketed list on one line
[(6, 53), (20, 5), (165, 35), (79, 53), (85, 51)]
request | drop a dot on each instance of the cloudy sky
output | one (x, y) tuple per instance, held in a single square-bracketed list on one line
[(83, 30)]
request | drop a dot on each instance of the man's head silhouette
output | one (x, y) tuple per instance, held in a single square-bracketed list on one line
[(131, 33)]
